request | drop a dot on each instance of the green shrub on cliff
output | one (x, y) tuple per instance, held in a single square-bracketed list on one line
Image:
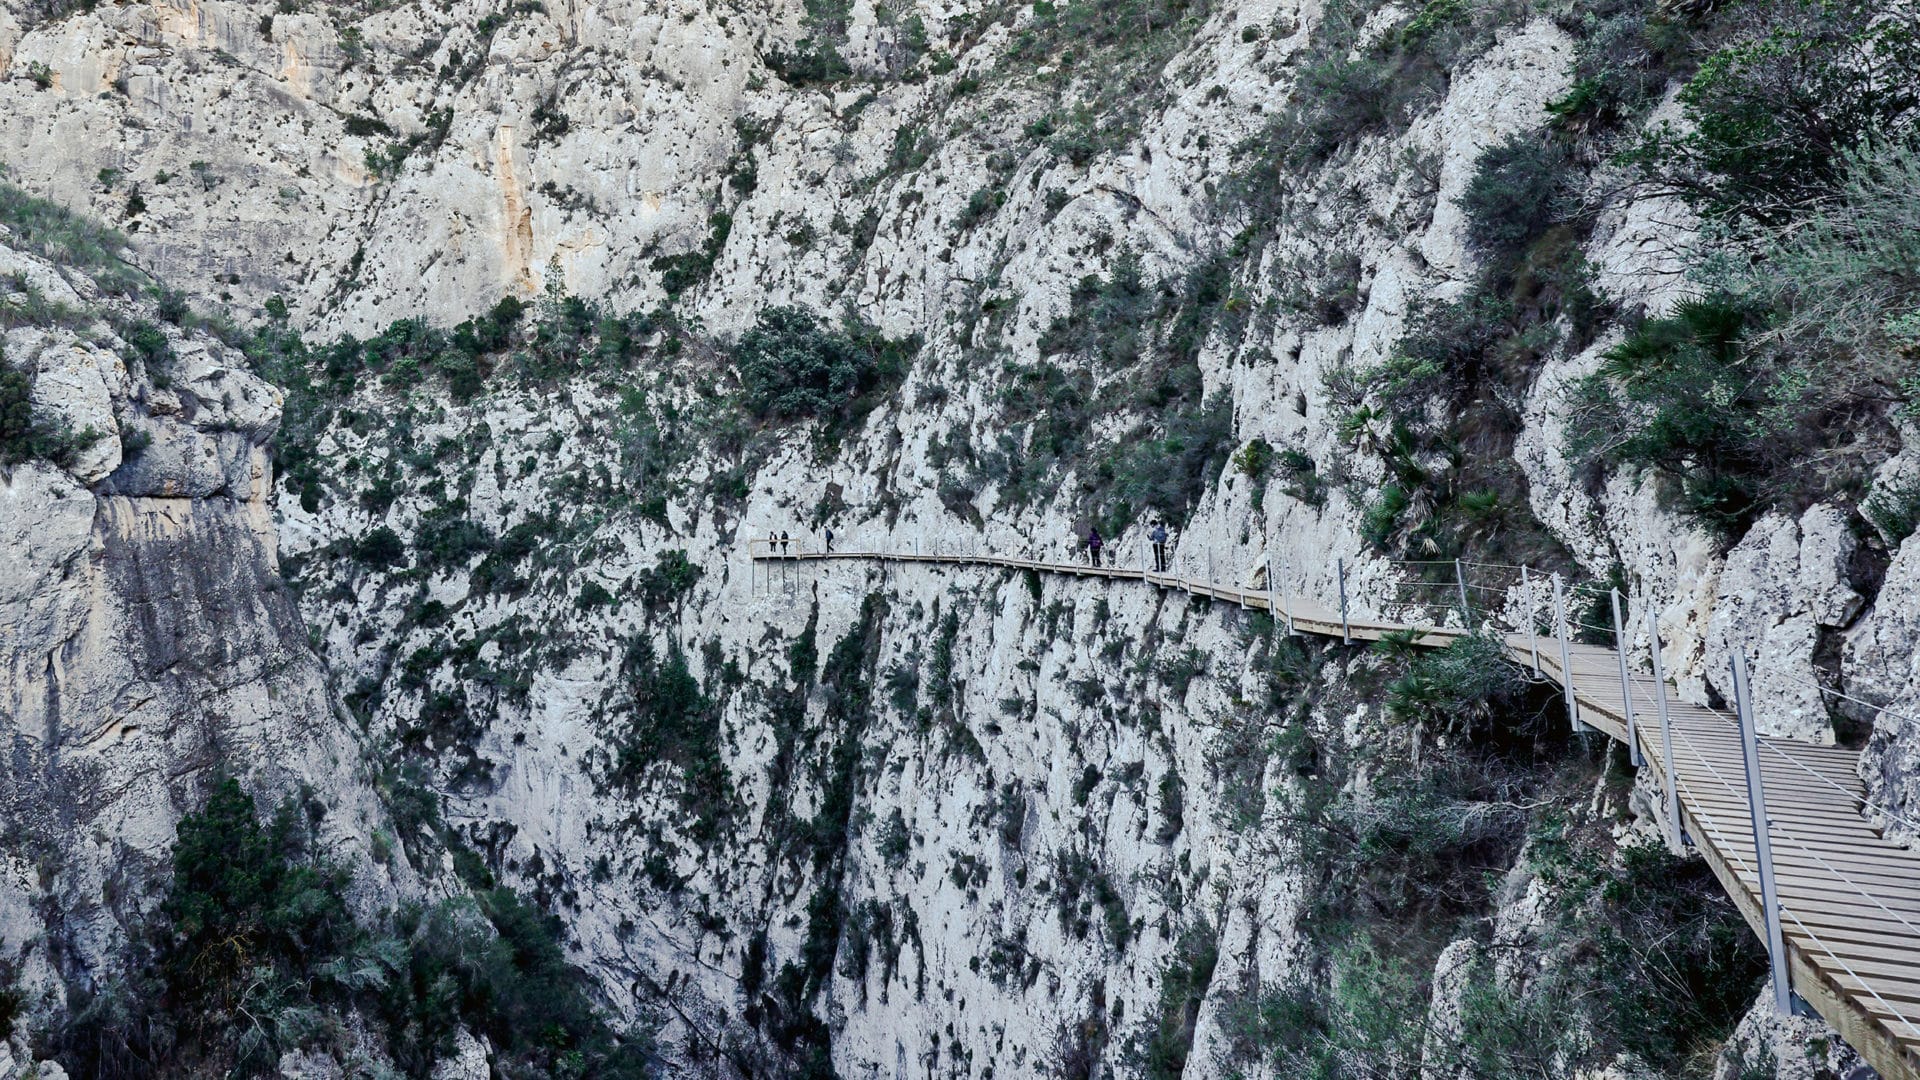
[(794, 365), (255, 953), (25, 436), (1773, 115), (1781, 385), (61, 236)]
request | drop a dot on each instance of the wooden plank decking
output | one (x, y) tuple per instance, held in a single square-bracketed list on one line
[(1850, 899)]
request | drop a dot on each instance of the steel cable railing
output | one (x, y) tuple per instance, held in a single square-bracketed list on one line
[(1858, 798), (1879, 710), (1853, 797), (1828, 949), (1766, 828), (1848, 968), (1702, 814), (1777, 829)]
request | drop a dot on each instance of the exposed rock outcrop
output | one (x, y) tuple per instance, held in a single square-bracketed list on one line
[(149, 645)]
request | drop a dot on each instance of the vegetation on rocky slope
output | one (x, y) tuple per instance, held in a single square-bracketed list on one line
[(1477, 795), (1779, 385), (253, 953)]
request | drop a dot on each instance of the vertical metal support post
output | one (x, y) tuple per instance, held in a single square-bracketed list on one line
[(1626, 683), (1762, 841), (1273, 591), (1666, 728), (1460, 579), (1346, 631), (1285, 601), (1533, 623), (1566, 660)]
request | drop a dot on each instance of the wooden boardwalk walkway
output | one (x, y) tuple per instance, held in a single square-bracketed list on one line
[(1849, 899)]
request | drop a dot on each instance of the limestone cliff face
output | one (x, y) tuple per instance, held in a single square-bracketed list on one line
[(149, 643), (425, 160)]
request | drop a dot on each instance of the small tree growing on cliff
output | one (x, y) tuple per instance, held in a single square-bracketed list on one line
[(793, 365)]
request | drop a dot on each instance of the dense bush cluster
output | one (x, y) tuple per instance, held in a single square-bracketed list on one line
[(1780, 386), (794, 365), (1625, 54), (669, 717), (669, 579), (681, 272), (1773, 389), (1106, 317), (554, 338), (1518, 191), (1468, 688), (1433, 415), (1773, 114), (254, 953)]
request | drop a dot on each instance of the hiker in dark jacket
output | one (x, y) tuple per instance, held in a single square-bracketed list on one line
[(829, 539), (1093, 546), (1159, 538), (783, 541)]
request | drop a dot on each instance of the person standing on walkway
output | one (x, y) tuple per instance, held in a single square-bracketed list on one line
[(829, 539), (1159, 538), (783, 541), (1093, 546)]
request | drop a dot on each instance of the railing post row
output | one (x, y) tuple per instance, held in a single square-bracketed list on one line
[(1762, 840), (1566, 659), (1626, 682)]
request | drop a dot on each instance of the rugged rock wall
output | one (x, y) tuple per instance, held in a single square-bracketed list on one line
[(150, 644), (1067, 764)]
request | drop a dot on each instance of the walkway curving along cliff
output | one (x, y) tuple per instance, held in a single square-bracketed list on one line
[(1845, 936)]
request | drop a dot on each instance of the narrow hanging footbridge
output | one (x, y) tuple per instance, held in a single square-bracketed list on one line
[(1783, 824)]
